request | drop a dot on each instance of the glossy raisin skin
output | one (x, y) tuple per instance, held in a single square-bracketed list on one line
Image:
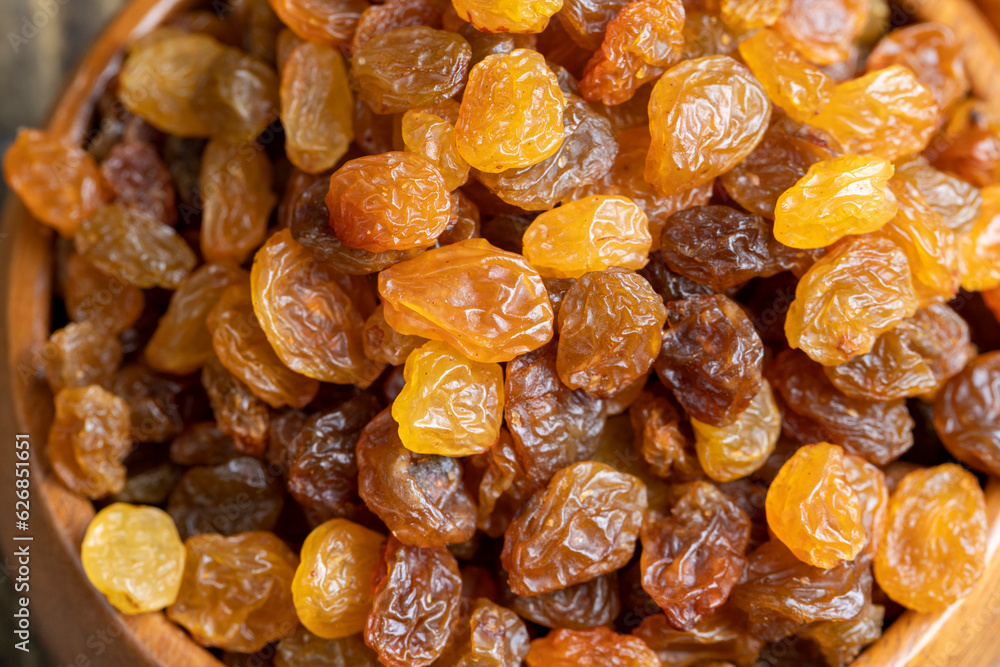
[(782, 157), (92, 295), (450, 404), (239, 413), (693, 556), (331, 588), (204, 498), (415, 603), (139, 179), (625, 178), (329, 23), (578, 607), (967, 414), (913, 359), (815, 411), (182, 343), (934, 54), (812, 508), (385, 345), (586, 20), (391, 201), (420, 299), (685, 97), (493, 635), (977, 251), (430, 133), (409, 68), (827, 41), (840, 642), (930, 244), (511, 114), (716, 246), (829, 321), (311, 314), (640, 41), (777, 586), (240, 96), (134, 248), (133, 554), (164, 75), (322, 465), (887, 113), (941, 509), (378, 19), (844, 195), (731, 452), (586, 154), (551, 425), (610, 326), (590, 648), (494, 16), (589, 234), (659, 436), (800, 89), (89, 439), (79, 355), (536, 552), (712, 386), (58, 182), (242, 346), (722, 635), (314, 86), (309, 222), (420, 497), (236, 184), (236, 592)]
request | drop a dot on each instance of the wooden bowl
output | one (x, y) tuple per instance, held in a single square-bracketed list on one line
[(77, 626)]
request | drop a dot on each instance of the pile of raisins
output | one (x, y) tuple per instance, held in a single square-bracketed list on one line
[(546, 332)]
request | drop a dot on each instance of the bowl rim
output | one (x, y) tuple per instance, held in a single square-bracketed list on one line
[(59, 588), (27, 251)]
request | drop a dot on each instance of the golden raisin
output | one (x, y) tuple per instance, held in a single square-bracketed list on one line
[(856, 292), (741, 448), (511, 113), (331, 586), (317, 107), (391, 201), (841, 196), (705, 116), (450, 404), (800, 89), (934, 549), (589, 234), (812, 508), (421, 299), (887, 113), (133, 554), (504, 16), (89, 439), (59, 183)]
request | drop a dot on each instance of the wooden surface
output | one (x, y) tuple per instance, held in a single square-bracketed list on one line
[(76, 624)]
